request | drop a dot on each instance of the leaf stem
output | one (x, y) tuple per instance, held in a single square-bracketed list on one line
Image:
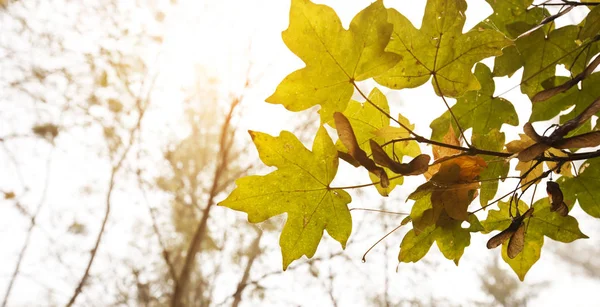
[(462, 133)]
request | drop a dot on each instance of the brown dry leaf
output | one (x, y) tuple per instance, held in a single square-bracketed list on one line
[(348, 138), (454, 189), (515, 233), (532, 152), (590, 139), (556, 198), (417, 166)]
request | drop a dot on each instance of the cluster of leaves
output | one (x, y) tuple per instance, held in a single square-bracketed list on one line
[(382, 44)]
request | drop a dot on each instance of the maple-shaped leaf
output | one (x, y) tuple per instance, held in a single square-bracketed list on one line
[(439, 49), (450, 236), (479, 110), (300, 188), (369, 123), (334, 57), (543, 222), (585, 187)]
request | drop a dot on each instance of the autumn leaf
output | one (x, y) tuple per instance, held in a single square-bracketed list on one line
[(479, 110), (369, 123), (439, 49), (348, 138), (300, 188), (334, 57)]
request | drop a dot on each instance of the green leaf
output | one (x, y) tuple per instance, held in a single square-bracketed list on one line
[(440, 49), (541, 54), (581, 98), (496, 168), (366, 121), (300, 188), (542, 223), (414, 247), (334, 57), (474, 224), (508, 63), (591, 25), (512, 17), (551, 224), (584, 187), (452, 239), (477, 109), (500, 219), (530, 254)]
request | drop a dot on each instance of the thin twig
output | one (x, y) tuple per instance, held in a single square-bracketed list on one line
[(29, 232)]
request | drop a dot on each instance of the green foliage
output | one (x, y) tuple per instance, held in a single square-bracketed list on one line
[(382, 44)]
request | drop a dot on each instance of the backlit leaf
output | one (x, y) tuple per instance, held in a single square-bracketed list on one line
[(334, 57), (300, 188), (439, 48), (477, 109)]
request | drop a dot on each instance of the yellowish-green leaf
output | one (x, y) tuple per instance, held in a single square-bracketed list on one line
[(477, 109), (414, 247), (585, 187), (300, 188), (496, 167), (334, 57), (366, 121), (439, 49)]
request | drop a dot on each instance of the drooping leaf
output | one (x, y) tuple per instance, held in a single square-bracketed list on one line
[(417, 166), (585, 187), (347, 137), (369, 123), (479, 110), (334, 57), (439, 49), (300, 188)]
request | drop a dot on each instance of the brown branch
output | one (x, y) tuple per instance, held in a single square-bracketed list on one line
[(254, 253), (29, 234), (220, 169), (143, 104), (165, 252), (568, 3)]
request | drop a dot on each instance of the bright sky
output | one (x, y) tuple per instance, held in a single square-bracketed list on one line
[(216, 38)]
